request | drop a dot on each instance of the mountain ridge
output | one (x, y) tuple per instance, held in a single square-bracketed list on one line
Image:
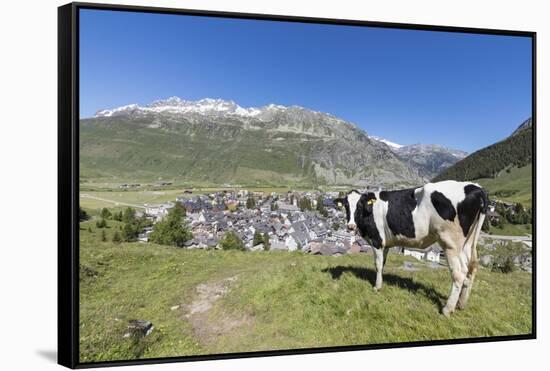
[(513, 151), (216, 140), (524, 125)]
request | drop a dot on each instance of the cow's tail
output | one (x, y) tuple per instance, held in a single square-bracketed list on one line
[(475, 231)]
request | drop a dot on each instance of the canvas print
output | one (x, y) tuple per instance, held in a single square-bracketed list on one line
[(256, 185)]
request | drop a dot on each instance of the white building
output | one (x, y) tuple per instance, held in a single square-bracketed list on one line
[(431, 253), (291, 243), (144, 236), (415, 253), (158, 210)]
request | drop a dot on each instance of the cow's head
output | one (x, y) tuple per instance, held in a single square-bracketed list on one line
[(359, 208)]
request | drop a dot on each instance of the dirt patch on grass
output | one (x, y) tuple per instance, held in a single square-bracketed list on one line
[(208, 326)]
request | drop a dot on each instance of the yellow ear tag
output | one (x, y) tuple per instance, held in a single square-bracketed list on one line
[(371, 201)]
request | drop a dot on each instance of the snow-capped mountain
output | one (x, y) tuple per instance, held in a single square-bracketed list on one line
[(207, 106), (217, 140), (428, 159)]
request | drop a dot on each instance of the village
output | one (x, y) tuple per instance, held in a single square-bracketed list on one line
[(309, 222)]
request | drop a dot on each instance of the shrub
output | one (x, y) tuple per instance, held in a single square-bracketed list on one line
[(172, 229), (101, 223), (231, 241), (118, 216), (129, 215), (504, 265), (105, 213), (116, 237), (129, 232), (250, 203), (82, 214), (321, 207), (258, 238)]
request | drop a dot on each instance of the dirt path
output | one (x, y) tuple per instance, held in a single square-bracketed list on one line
[(117, 203), (206, 326), (526, 237), (526, 240)]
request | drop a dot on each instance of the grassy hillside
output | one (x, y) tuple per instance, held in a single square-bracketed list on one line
[(273, 301), (215, 151), (114, 198), (512, 229), (511, 185), (226, 155), (488, 162)]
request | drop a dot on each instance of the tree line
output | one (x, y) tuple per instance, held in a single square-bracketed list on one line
[(516, 214), (515, 151), (131, 227)]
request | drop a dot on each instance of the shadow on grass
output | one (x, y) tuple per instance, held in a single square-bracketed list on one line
[(405, 283)]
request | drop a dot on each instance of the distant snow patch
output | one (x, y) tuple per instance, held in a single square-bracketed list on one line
[(387, 142)]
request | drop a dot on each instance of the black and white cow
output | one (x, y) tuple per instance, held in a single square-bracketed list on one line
[(447, 212)]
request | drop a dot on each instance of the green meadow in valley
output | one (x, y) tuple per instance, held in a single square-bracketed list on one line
[(211, 301)]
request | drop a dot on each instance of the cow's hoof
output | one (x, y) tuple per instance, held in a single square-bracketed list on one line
[(446, 312), (460, 306), (376, 289)]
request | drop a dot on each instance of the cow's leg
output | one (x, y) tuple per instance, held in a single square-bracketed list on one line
[(458, 273), (470, 251), (386, 251), (380, 255), (467, 286)]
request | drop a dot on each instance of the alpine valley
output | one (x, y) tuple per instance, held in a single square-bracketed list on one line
[(214, 141)]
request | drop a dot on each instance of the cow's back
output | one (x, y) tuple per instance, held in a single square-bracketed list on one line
[(454, 201)]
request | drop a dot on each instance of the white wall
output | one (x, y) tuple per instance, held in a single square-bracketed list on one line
[(415, 254), (28, 167)]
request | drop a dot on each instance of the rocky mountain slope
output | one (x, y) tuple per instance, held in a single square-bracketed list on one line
[(429, 159), (213, 141)]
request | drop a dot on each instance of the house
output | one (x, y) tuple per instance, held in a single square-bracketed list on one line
[(129, 186), (285, 207), (201, 218), (328, 202), (343, 235), (432, 256), (431, 253), (291, 243), (276, 245), (258, 247), (144, 236), (301, 238), (415, 253), (158, 210), (212, 242), (493, 216)]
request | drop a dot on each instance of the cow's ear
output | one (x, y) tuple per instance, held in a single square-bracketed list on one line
[(371, 198), (366, 202)]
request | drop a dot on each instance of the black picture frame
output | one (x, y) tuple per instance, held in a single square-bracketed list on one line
[(68, 181)]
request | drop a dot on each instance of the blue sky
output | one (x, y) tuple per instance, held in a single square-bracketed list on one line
[(464, 91)]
